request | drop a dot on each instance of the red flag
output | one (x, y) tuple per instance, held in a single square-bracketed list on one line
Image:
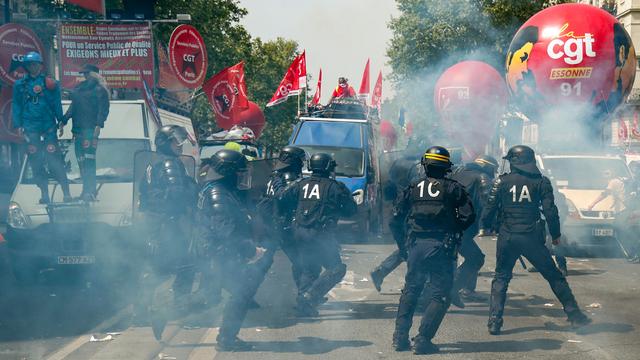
[(376, 97), (227, 94), (92, 5), (623, 132), (294, 80), (316, 96), (365, 85)]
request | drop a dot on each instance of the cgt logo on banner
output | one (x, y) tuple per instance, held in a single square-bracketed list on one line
[(188, 56), (227, 95), (293, 82), (15, 42)]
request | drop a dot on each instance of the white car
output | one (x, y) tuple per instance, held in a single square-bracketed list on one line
[(581, 179)]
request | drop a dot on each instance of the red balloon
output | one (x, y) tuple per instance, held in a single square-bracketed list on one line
[(470, 97), (388, 134), (253, 118), (571, 54)]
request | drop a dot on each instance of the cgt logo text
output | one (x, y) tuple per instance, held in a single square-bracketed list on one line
[(572, 50)]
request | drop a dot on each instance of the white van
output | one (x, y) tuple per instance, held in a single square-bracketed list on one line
[(78, 234)]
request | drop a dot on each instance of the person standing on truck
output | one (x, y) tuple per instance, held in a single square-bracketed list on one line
[(517, 199), (37, 112), (477, 178), (167, 199), (226, 226), (343, 90), (427, 221), (319, 201), (89, 110)]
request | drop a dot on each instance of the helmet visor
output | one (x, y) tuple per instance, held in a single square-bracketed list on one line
[(244, 179), (180, 135)]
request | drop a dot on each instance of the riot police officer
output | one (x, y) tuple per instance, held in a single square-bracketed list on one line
[(225, 220), (517, 198), (287, 170), (319, 201), (477, 178), (37, 113), (434, 210), (167, 199)]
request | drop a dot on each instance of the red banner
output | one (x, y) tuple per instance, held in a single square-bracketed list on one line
[(123, 53), (365, 86), (188, 56), (227, 95), (92, 5), (293, 82), (318, 93), (376, 97), (7, 133), (15, 42)]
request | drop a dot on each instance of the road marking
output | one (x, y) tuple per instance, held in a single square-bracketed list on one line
[(83, 339), (208, 351)]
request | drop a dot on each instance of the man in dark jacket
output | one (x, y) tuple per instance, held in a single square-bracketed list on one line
[(89, 110), (477, 178), (36, 112), (319, 201), (517, 199)]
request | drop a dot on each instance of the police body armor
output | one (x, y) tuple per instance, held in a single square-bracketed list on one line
[(315, 209), (431, 211), (520, 199)]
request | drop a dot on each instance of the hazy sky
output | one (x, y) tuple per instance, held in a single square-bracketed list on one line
[(338, 35)]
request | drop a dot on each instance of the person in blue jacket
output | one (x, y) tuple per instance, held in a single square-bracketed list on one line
[(37, 113)]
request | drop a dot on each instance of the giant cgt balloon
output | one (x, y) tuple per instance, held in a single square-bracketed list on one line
[(470, 98), (253, 118), (570, 54)]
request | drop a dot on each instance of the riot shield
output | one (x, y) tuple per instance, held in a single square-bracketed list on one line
[(143, 161), (260, 172)]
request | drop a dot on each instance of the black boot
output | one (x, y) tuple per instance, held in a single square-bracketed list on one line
[(423, 346), (44, 195), (457, 300), (224, 343), (305, 306), (494, 326), (377, 279), (579, 319), (401, 342)]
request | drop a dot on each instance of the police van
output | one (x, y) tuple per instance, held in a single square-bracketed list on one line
[(344, 131), (76, 235)]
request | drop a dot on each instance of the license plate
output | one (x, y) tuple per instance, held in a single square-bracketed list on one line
[(76, 260), (602, 232)]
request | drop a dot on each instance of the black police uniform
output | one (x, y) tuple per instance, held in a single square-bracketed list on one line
[(320, 201), (517, 199), (226, 223), (167, 198), (435, 211), (477, 181)]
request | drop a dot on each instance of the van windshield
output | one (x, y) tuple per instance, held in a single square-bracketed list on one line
[(349, 162), (330, 133), (114, 160), (585, 173)]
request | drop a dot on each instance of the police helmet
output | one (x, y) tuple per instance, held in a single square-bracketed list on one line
[(523, 158), (437, 156), (166, 135), (488, 163), (321, 163), (229, 164), (33, 56), (291, 157)]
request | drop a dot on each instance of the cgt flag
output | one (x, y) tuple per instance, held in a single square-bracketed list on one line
[(293, 82), (227, 94), (365, 86), (376, 97), (92, 5), (318, 93)]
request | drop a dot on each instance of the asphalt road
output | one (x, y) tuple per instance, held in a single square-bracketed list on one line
[(56, 320)]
